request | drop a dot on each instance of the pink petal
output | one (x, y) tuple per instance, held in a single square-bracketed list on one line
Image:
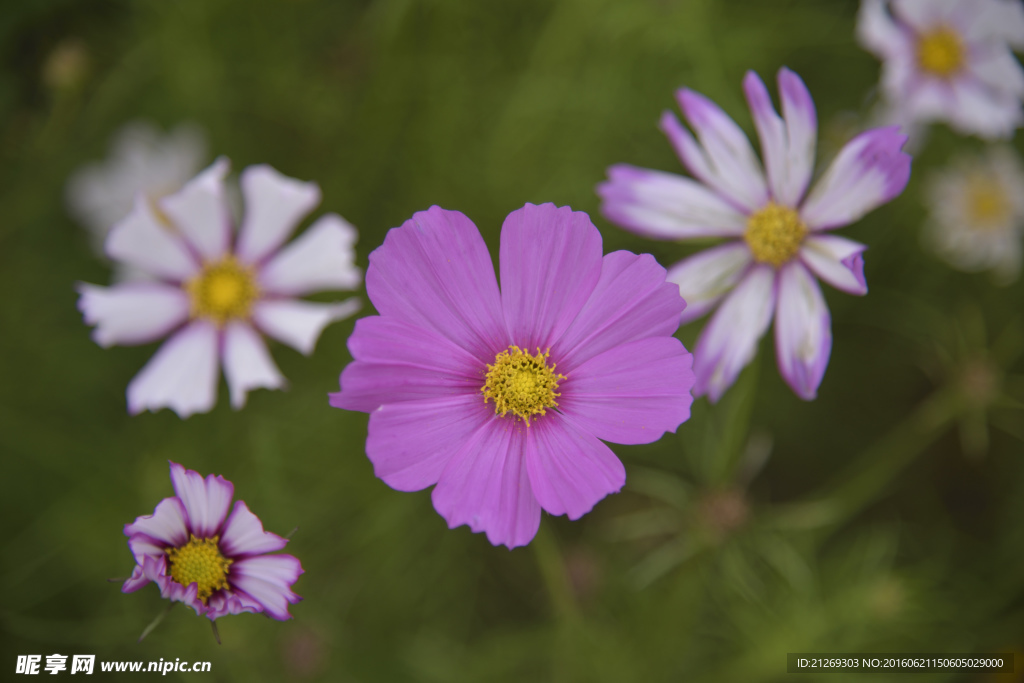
[(486, 485), (206, 501), (391, 365), (666, 206), (321, 258), (837, 261), (299, 323), (801, 134), (134, 313), (181, 376), (729, 340), (410, 443), (877, 31), (707, 276), (631, 394), (550, 263), (200, 211), (244, 535), (569, 469), (923, 14), (631, 301), (268, 579), (168, 525), (868, 172), (274, 205), (978, 110), (803, 331), (434, 272), (247, 363), (149, 568), (142, 241), (729, 164), (224, 602)]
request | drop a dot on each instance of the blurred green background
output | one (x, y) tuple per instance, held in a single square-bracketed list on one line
[(887, 515)]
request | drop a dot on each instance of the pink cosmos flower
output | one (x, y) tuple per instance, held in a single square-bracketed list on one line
[(502, 397), (214, 562), (777, 231), (949, 60), (213, 294)]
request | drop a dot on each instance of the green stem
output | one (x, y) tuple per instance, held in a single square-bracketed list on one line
[(156, 622), (554, 574)]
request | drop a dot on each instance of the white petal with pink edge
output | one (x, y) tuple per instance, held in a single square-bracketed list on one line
[(200, 211), (268, 579), (134, 313), (181, 376), (877, 31), (206, 500), (707, 276), (168, 525), (143, 241), (837, 261), (243, 534), (803, 331), (299, 323), (247, 363), (274, 205), (321, 258)]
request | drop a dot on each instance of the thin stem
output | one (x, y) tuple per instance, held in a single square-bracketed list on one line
[(216, 633), (156, 622)]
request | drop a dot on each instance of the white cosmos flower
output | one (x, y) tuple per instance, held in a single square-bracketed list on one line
[(142, 160), (214, 292), (976, 213), (776, 224), (949, 60)]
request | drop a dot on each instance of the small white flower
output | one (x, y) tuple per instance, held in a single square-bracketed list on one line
[(142, 160), (949, 60), (211, 292), (977, 213)]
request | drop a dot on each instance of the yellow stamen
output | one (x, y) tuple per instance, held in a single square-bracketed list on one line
[(199, 562), (223, 290), (521, 384), (941, 52), (987, 203), (774, 234)]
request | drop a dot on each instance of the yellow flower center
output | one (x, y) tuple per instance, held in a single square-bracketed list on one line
[(521, 384), (987, 204), (941, 52), (223, 290), (774, 234), (201, 563)]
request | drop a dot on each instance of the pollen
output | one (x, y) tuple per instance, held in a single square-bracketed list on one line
[(223, 290), (987, 203), (941, 52), (521, 384), (774, 234), (199, 562)]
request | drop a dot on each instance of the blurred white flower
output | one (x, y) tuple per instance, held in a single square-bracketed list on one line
[(949, 60), (142, 160), (977, 212), (213, 292)]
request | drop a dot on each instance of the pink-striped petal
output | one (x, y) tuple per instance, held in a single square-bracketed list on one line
[(486, 486), (631, 301), (729, 340), (141, 240), (299, 323), (182, 375), (435, 272), (168, 525), (244, 535), (134, 313), (869, 171), (569, 469), (631, 394), (200, 211), (837, 261), (247, 363), (550, 262), (274, 205), (321, 258), (665, 205), (149, 567), (206, 501), (803, 331), (707, 276), (224, 602), (268, 579)]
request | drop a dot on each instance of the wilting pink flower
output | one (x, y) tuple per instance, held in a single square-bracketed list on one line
[(777, 231), (215, 562), (502, 397), (949, 60), (213, 294)]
